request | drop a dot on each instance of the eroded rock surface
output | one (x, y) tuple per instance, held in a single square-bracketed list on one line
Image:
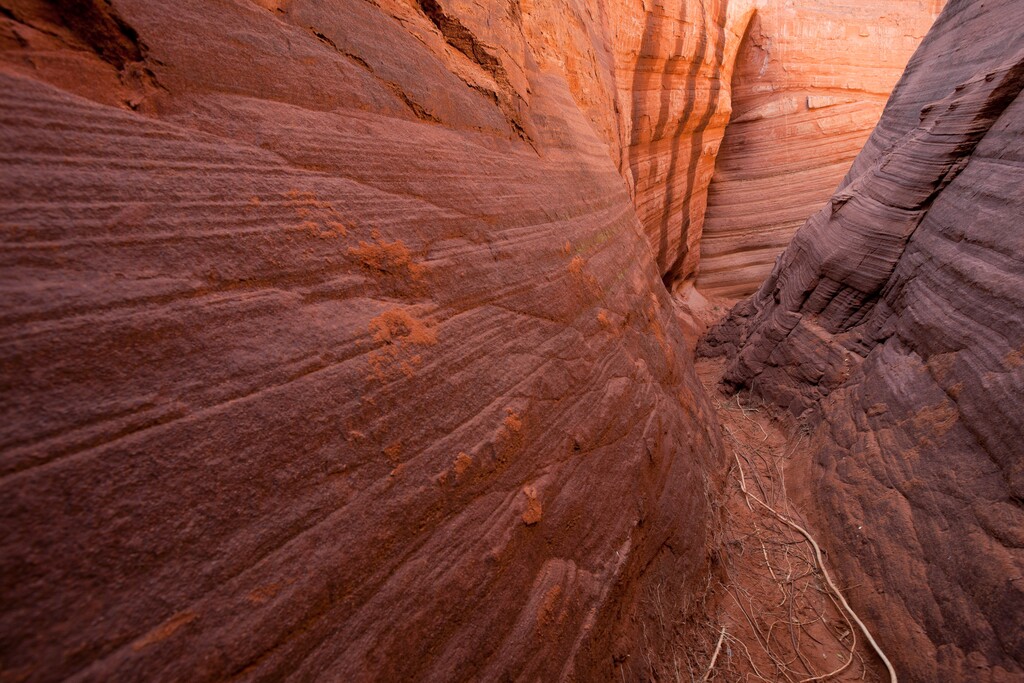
[(332, 348), (895, 320), (334, 343), (810, 82), (677, 105)]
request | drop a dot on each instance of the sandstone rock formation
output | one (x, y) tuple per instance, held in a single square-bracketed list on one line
[(334, 339), (332, 348), (810, 82), (678, 103), (895, 321)]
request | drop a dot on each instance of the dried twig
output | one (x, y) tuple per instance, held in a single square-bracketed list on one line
[(714, 656)]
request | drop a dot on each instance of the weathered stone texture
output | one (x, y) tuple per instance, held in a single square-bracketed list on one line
[(895, 320), (331, 349), (809, 85)]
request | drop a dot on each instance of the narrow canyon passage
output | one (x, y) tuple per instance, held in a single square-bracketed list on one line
[(361, 340)]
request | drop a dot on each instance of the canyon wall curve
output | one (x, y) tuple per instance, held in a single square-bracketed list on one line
[(336, 344), (809, 85), (893, 323), (318, 362)]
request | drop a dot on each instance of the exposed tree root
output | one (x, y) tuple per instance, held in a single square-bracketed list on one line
[(783, 616), (836, 593), (714, 657)]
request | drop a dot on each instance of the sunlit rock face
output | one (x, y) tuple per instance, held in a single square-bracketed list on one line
[(894, 322), (677, 78), (810, 82)]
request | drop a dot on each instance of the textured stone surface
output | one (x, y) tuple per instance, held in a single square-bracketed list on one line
[(677, 106), (810, 82), (332, 348), (896, 317)]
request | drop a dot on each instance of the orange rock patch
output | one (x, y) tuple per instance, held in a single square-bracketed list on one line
[(319, 217), (462, 463), (534, 511), (401, 334), (390, 258)]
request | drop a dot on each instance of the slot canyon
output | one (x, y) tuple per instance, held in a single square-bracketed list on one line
[(512, 340)]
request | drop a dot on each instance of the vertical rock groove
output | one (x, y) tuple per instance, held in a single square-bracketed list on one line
[(672, 148)]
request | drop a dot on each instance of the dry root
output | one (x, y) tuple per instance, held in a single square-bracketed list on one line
[(769, 482)]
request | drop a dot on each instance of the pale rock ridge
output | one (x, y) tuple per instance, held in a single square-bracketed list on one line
[(810, 82)]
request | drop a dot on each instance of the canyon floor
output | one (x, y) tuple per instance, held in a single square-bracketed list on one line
[(777, 619)]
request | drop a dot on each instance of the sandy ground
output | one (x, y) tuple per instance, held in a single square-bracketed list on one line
[(778, 620)]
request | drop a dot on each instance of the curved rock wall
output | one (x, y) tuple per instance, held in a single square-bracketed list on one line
[(678, 104), (895, 320), (810, 82), (334, 343), (332, 349)]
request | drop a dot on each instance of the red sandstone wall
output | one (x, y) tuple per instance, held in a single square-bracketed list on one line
[(810, 83), (676, 103), (333, 341), (332, 348)]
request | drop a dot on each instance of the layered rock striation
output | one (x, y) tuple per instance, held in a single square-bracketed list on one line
[(894, 321), (332, 348), (809, 85), (335, 344), (676, 83)]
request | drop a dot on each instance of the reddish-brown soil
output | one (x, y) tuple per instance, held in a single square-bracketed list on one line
[(778, 618)]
